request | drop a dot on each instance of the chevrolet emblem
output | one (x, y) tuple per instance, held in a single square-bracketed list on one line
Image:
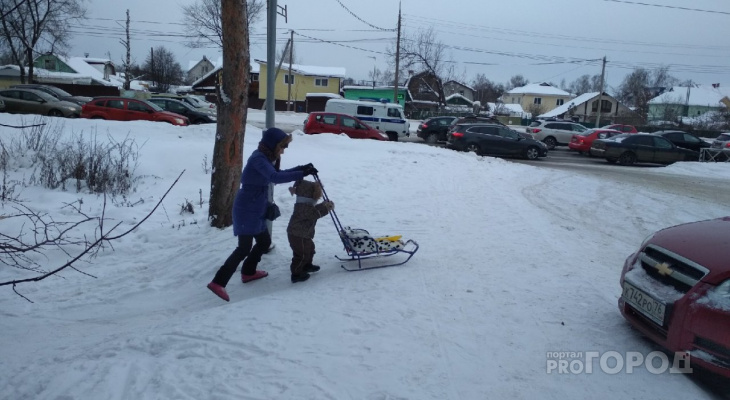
[(664, 269)]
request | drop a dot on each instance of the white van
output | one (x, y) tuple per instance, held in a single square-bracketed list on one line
[(385, 117)]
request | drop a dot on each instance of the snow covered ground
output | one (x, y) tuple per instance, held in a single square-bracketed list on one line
[(515, 262)]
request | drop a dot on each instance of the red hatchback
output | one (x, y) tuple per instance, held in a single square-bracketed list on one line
[(125, 109), (676, 291), (327, 122), (581, 142)]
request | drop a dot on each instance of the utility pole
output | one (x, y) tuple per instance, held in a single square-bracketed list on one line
[(152, 65), (374, 64), (289, 78), (128, 60), (397, 60), (271, 11), (600, 94)]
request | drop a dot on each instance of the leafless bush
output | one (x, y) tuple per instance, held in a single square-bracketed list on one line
[(206, 164), (100, 167)]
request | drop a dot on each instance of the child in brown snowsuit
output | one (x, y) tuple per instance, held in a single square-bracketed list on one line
[(301, 227)]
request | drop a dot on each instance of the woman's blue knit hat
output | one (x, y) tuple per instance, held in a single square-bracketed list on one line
[(272, 137)]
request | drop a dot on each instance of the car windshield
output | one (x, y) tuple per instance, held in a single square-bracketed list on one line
[(535, 123), (195, 101), (45, 96), (153, 105), (723, 137), (59, 92), (618, 138)]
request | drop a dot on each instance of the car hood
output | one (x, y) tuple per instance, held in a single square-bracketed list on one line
[(705, 242), (171, 114)]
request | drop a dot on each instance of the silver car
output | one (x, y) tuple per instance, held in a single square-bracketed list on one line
[(554, 133), (31, 101), (719, 148)]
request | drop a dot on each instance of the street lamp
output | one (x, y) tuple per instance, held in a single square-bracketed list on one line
[(374, 64)]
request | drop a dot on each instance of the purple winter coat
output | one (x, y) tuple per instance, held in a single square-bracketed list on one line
[(249, 206)]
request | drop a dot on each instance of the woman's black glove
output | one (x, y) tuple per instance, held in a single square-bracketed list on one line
[(309, 170)]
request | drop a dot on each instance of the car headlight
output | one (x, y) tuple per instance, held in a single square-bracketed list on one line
[(213, 117), (180, 121)]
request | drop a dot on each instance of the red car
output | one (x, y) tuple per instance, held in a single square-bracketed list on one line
[(328, 122), (581, 142), (676, 291), (125, 109), (621, 128)]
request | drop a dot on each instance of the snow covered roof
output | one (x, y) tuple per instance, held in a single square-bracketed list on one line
[(254, 70), (698, 96), (572, 103), (539, 88), (330, 95), (457, 95), (82, 67), (460, 84), (311, 70)]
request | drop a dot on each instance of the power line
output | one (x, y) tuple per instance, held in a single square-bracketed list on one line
[(665, 6), (362, 20)]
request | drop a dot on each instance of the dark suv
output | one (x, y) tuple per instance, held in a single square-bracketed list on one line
[(494, 139), (684, 139)]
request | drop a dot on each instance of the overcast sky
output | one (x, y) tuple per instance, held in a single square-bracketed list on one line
[(542, 40)]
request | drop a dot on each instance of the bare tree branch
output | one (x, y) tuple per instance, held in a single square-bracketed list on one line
[(103, 238)]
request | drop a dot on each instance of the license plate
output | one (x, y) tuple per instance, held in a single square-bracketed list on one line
[(645, 304)]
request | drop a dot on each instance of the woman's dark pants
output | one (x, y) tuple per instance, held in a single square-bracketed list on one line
[(241, 253)]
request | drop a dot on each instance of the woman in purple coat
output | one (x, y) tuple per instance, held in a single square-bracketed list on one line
[(250, 208)]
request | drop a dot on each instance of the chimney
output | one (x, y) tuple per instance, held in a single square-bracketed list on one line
[(86, 55)]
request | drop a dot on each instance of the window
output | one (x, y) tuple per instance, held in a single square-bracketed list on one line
[(662, 143), (537, 100), (329, 119), (348, 122), (559, 102), (690, 139), (605, 106), (30, 96), (115, 104), (321, 82), (11, 94), (137, 106), (289, 79), (643, 141), (364, 110), (393, 112), (177, 108), (461, 92), (49, 64), (254, 77)]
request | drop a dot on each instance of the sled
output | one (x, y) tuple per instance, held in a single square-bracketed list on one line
[(360, 245)]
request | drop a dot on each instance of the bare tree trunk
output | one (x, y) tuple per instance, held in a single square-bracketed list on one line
[(232, 112)]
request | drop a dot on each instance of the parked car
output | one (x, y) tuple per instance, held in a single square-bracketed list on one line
[(676, 291), (55, 92), (581, 142), (195, 103), (684, 139), (435, 129), (202, 102), (494, 139), (720, 147), (554, 133), (327, 122), (126, 109), (194, 115), (621, 128), (641, 147), (473, 118), (31, 101)]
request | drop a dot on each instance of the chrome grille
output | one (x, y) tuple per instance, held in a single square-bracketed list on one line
[(671, 268)]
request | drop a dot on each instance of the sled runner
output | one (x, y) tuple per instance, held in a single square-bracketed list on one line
[(360, 245)]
